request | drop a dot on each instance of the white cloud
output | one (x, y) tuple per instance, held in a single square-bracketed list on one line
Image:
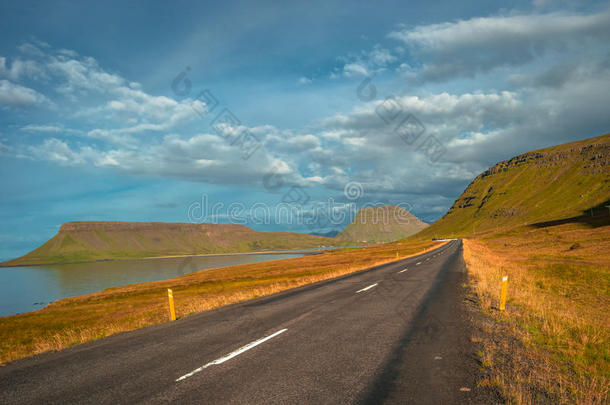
[(366, 63), (20, 69), (55, 150), (146, 107), (304, 80), (31, 49), (14, 95), (204, 158), (42, 128), (480, 44), (121, 110), (82, 74), (290, 143), (354, 70), (381, 56)]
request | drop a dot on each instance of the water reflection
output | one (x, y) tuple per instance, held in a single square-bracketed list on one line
[(24, 289)]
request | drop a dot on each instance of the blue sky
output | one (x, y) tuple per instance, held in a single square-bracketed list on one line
[(92, 129)]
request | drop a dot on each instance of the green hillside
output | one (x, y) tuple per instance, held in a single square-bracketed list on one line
[(564, 181), (382, 224), (86, 241)]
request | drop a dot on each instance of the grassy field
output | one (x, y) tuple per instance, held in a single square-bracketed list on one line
[(81, 319), (552, 344)]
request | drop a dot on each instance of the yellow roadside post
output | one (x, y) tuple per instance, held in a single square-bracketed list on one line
[(503, 293), (172, 312)]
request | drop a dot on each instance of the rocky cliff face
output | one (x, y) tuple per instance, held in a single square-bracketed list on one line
[(594, 157)]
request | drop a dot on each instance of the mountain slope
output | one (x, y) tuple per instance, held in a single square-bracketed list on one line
[(85, 241), (541, 220), (382, 224), (560, 182)]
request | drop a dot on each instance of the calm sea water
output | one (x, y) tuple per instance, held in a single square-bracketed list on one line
[(25, 289)]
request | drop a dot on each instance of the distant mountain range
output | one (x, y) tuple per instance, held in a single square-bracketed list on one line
[(89, 241)]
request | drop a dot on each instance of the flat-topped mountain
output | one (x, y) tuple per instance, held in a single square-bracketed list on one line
[(87, 241)]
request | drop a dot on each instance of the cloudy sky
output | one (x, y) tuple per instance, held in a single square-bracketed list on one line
[(141, 112)]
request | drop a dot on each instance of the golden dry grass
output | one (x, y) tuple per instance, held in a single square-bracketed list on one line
[(552, 343), (82, 319)]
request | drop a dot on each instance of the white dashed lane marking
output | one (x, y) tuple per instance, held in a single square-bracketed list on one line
[(366, 288), (231, 355)]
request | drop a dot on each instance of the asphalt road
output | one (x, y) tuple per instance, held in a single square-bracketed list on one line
[(396, 333)]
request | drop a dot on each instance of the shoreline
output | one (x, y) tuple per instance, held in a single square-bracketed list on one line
[(45, 305), (279, 252)]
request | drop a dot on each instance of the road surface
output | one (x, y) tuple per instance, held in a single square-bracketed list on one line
[(396, 333)]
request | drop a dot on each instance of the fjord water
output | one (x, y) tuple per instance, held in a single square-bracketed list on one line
[(28, 288)]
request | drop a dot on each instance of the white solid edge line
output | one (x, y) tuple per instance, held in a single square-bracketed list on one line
[(366, 288), (232, 354), (402, 271)]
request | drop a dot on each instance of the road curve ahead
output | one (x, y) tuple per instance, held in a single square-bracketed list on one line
[(396, 333)]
